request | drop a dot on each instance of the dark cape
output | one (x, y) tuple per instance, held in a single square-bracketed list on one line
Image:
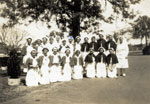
[(112, 45), (89, 58), (114, 59), (94, 46), (98, 58), (85, 45), (102, 43)]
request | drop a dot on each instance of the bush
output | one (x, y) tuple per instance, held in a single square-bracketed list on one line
[(13, 64)]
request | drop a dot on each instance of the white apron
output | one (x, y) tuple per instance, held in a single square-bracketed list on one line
[(101, 70), (67, 70), (90, 69), (44, 79), (78, 71), (55, 71), (28, 55), (112, 74), (122, 52), (32, 77)]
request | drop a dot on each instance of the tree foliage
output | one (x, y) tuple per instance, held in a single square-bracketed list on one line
[(141, 28), (68, 13), (12, 37)]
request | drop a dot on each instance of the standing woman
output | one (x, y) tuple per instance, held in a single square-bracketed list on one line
[(71, 45), (55, 69), (90, 64), (67, 66), (122, 54), (94, 45), (43, 62), (77, 45), (32, 77), (51, 45), (85, 47), (101, 64), (39, 47), (101, 42), (26, 52), (44, 42), (63, 47), (112, 62), (78, 65), (110, 44)]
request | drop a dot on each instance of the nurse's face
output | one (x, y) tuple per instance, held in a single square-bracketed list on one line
[(91, 50), (111, 51), (45, 51), (39, 42), (93, 39), (33, 53), (101, 36), (121, 40), (77, 53), (85, 39), (78, 40), (55, 52), (64, 42), (44, 40), (67, 52), (101, 50), (51, 40), (110, 37), (29, 40)]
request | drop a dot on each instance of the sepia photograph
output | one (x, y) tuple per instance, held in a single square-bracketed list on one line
[(74, 51)]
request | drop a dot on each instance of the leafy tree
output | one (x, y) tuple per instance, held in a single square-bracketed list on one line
[(68, 13), (141, 28), (12, 37)]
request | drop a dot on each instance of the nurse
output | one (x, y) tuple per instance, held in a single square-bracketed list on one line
[(90, 64), (122, 54), (112, 62), (55, 68), (44, 65), (78, 66), (32, 77), (67, 66), (101, 64)]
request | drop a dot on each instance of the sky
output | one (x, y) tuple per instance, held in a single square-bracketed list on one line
[(40, 29)]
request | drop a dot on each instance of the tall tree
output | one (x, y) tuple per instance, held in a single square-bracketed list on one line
[(68, 13), (141, 28)]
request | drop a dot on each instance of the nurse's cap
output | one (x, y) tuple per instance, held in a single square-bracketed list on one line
[(93, 37), (44, 37), (28, 37), (54, 49), (33, 51), (67, 49), (111, 49), (45, 49), (100, 34), (101, 48), (78, 37), (77, 51), (86, 37), (91, 49), (64, 40)]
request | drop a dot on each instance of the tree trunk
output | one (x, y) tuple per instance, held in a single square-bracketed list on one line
[(146, 40), (75, 28)]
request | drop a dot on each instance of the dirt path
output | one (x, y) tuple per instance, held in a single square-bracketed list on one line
[(133, 89)]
